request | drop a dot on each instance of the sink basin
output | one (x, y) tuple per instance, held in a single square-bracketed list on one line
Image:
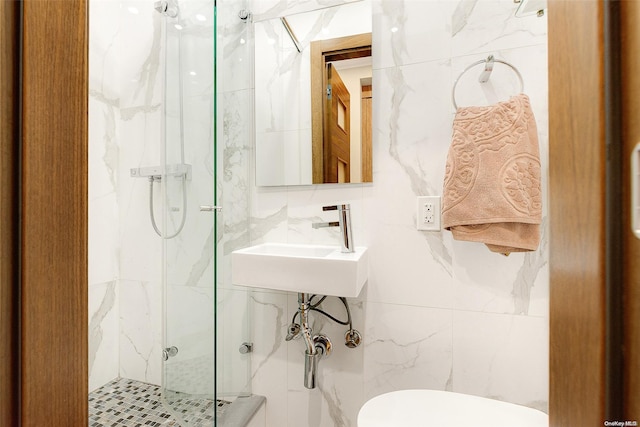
[(314, 269)]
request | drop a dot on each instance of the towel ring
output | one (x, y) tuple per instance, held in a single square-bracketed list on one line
[(484, 77)]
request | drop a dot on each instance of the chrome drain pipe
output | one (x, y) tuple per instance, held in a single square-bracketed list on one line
[(311, 354), (310, 368), (303, 304), (316, 345)]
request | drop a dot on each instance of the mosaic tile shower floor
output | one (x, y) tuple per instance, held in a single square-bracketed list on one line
[(124, 402)]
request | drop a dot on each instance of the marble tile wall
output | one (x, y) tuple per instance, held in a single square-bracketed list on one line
[(436, 313), (125, 130), (141, 129), (104, 226)]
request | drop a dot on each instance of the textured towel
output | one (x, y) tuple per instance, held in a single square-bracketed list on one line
[(492, 184)]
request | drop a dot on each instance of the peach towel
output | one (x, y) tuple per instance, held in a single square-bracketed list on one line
[(492, 183)]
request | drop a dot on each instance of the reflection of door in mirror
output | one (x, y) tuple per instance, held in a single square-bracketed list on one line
[(339, 152), (366, 112), (337, 107)]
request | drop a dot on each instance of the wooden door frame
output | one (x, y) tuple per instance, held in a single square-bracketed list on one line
[(586, 215), (53, 329), (9, 134), (630, 65), (356, 46), (49, 382)]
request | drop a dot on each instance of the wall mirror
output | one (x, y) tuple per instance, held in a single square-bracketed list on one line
[(313, 96)]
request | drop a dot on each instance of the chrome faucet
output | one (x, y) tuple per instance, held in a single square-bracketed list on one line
[(344, 222)]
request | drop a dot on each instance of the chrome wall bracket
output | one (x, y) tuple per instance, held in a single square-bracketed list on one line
[(169, 352), (246, 348)]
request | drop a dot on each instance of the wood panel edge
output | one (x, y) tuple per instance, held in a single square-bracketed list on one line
[(630, 60), (577, 214), (9, 133), (54, 289)]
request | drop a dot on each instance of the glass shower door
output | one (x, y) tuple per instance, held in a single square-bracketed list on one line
[(190, 221), (206, 323)]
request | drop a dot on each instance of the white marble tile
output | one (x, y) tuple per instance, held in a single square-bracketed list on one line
[(235, 181), (104, 334), (489, 25), (319, 407), (104, 150), (503, 357), (478, 288), (517, 284), (235, 47), (141, 72), (407, 347), (269, 361), (408, 32), (268, 215), (140, 246), (196, 53), (539, 291), (103, 177), (233, 328), (141, 251), (104, 53), (417, 129), (104, 242), (141, 330), (404, 268), (409, 155)]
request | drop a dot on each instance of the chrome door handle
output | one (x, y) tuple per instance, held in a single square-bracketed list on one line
[(207, 208)]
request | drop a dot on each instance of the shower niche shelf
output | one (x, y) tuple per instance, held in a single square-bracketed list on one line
[(314, 269)]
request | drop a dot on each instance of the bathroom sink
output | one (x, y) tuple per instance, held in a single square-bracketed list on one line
[(314, 269)]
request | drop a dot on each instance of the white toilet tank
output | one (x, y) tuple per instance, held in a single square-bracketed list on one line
[(433, 408)]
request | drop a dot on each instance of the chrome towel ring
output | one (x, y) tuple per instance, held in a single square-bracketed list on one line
[(484, 77)]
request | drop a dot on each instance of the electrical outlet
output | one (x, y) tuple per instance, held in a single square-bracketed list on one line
[(428, 213)]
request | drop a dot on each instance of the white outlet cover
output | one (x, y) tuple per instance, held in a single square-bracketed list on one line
[(426, 220)]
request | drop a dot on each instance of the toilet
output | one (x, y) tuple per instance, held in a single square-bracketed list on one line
[(433, 408)]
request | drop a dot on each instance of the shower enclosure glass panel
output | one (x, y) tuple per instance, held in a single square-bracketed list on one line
[(189, 257), (191, 226)]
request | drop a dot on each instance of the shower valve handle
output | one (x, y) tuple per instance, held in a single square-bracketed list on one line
[(207, 208)]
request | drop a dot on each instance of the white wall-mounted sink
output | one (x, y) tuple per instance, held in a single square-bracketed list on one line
[(314, 269)]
